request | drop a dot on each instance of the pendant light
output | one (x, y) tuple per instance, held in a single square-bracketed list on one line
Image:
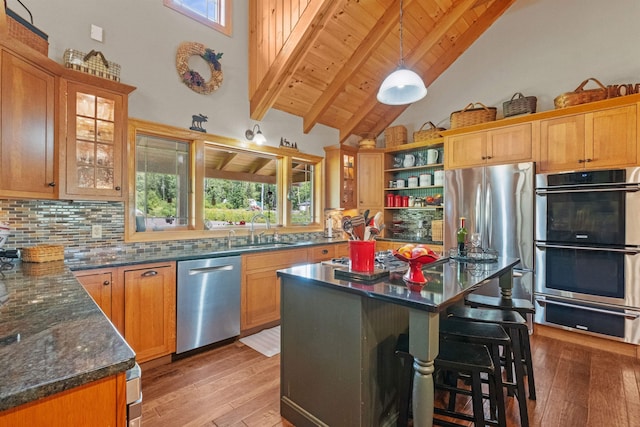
[(403, 86)]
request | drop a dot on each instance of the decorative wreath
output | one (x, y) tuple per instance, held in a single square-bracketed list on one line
[(192, 78)]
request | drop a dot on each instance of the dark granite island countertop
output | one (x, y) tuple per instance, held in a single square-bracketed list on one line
[(338, 339), (53, 336)]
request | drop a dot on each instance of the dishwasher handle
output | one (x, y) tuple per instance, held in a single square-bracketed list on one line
[(205, 270)]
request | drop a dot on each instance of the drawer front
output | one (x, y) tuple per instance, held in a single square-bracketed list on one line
[(275, 260), (321, 253)]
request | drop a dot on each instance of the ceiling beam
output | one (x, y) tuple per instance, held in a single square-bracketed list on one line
[(259, 164), (369, 44), (441, 28), (227, 160), (291, 55)]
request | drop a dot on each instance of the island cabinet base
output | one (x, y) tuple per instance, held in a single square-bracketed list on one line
[(338, 366)]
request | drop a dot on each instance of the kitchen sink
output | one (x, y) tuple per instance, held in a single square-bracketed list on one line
[(263, 245)]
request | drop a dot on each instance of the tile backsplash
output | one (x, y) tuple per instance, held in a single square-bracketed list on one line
[(69, 223)]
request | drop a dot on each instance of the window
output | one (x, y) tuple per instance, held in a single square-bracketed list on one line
[(184, 184), (162, 183), (238, 185), (213, 13)]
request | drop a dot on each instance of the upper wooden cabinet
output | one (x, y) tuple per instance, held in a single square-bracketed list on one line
[(341, 172), (497, 146), (27, 113), (93, 142), (370, 181), (63, 131), (598, 139)]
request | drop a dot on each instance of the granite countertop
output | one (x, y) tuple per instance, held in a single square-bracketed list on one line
[(52, 335), (447, 282), (118, 259)]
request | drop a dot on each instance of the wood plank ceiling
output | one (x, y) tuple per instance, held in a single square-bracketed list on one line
[(324, 60)]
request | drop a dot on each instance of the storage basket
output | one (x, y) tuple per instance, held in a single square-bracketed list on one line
[(430, 134), (93, 62), (42, 269), (25, 32), (395, 135), (582, 96), (437, 230), (43, 253), (471, 115), (520, 105)]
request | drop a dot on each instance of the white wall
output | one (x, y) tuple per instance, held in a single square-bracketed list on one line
[(541, 48), (538, 47), (143, 36)]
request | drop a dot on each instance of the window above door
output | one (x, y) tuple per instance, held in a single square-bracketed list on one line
[(212, 13)]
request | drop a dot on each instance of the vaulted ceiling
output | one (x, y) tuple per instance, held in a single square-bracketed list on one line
[(324, 60)]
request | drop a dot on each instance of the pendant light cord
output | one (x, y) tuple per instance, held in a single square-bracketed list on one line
[(401, 50)]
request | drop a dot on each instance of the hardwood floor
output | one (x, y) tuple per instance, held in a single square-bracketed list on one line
[(236, 386)]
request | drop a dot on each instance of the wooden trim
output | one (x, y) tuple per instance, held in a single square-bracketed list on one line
[(590, 341)]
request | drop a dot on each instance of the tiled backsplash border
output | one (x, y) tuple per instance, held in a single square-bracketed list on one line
[(68, 223)]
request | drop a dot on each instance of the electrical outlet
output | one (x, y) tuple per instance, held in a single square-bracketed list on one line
[(96, 231)]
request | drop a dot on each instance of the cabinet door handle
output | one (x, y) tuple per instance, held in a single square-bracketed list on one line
[(483, 158), (325, 251), (150, 273), (106, 283), (52, 184), (489, 157), (581, 160), (118, 188), (588, 160)]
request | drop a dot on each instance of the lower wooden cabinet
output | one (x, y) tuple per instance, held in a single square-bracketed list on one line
[(260, 292), (100, 403), (140, 300), (150, 309), (98, 283)]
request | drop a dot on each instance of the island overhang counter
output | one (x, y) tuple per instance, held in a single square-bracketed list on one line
[(338, 339)]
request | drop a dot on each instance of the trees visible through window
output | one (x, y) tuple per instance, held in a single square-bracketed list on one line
[(213, 13)]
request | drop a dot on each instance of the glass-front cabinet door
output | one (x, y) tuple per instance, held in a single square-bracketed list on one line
[(95, 135)]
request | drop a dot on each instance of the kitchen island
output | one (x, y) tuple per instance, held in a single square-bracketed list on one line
[(338, 338)]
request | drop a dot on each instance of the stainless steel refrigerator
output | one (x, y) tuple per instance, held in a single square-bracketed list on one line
[(498, 202)]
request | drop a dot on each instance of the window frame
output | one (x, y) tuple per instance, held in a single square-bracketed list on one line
[(225, 28), (199, 141)]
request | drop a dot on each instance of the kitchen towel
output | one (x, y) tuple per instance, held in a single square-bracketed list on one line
[(266, 342)]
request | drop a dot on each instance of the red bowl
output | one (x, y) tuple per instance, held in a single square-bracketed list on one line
[(414, 275)]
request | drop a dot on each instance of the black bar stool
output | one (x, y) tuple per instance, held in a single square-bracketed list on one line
[(468, 359), (520, 305), (518, 360), (494, 337)]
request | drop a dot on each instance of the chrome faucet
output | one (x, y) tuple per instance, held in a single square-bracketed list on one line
[(253, 220), (229, 241)]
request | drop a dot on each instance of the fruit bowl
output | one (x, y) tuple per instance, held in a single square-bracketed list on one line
[(414, 274)]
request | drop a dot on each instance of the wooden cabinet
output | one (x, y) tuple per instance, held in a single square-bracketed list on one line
[(370, 180), (260, 293), (325, 252), (509, 144), (340, 177), (99, 403), (98, 283), (27, 113), (91, 160), (150, 309), (598, 139)]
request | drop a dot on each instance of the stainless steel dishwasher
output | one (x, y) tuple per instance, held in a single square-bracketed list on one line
[(208, 306)]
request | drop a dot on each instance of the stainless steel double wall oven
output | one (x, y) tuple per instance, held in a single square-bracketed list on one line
[(588, 252)]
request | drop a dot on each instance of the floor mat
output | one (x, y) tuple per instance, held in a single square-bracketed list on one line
[(266, 342)]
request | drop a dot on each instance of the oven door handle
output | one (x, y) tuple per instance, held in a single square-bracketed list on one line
[(628, 189), (589, 248), (543, 302)]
